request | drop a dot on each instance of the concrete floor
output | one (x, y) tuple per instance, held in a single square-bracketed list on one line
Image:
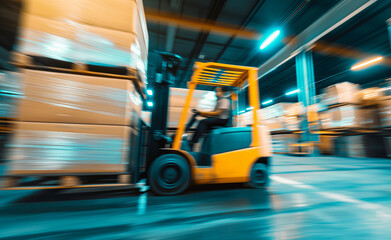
[(309, 198)]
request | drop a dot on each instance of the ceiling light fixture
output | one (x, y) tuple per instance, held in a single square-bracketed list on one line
[(367, 63), (270, 39)]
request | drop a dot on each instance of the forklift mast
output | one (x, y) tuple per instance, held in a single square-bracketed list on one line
[(167, 65)]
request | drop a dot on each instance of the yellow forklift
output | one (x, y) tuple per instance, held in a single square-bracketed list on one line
[(227, 154)]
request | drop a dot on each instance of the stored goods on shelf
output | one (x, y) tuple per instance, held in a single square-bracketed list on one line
[(341, 93), (43, 148), (86, 31), (72, 98)]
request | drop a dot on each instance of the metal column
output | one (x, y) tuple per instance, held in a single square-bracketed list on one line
[(306, 84), (389, 29)]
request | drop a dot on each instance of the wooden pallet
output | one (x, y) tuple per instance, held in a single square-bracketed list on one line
[(30, 62), (60, 181), (284, 132), (340, 105), (6, 124), (279, 152), (347, 130)]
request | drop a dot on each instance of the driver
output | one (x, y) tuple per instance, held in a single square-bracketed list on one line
[(218, 117)]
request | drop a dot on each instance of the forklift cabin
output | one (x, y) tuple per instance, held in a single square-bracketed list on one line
[(227, 154)]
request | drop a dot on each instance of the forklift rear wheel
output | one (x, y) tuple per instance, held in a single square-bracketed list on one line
[(259, 176), (169, 175)]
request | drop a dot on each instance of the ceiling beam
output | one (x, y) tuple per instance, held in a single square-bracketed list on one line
[(199, 24), (334, 18), (255, 8), (171, 29)]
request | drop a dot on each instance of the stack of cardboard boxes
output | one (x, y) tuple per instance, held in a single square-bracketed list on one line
[(74, 123), (341, 108), (88, 31), (350, 109), (282, 120), (278, 117)]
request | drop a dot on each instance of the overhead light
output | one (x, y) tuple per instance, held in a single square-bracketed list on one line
[(149, 92), (366, 63), (292, 92), (267, 101), (270, 39), (150, 104), (249, 108)]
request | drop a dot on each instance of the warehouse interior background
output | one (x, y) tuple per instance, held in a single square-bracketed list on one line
[(95, 101), (360, 38)]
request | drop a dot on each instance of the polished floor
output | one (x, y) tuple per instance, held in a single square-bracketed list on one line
[(309, 198)]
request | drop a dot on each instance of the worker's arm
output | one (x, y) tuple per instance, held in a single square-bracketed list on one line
[(210, 113)]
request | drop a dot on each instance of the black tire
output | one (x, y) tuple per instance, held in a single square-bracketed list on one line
[(169, 175), (259, 176)]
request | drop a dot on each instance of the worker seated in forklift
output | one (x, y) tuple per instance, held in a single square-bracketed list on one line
[(220, 116)]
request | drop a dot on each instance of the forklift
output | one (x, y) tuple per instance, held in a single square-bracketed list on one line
[(227, 154)]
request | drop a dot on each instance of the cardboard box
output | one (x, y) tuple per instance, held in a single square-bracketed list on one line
[(291, 123), (81, 43), (275, 124), (120, 15), (370, 96), (325, 120), (349, 116), (41, 148), (370, 117), (295, 109), (71, 98), (344, 92)]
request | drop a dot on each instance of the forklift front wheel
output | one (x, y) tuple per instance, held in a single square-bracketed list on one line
[(169, 175), (259, 176)]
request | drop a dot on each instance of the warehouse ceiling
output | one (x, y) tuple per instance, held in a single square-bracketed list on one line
[(365, 35)]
